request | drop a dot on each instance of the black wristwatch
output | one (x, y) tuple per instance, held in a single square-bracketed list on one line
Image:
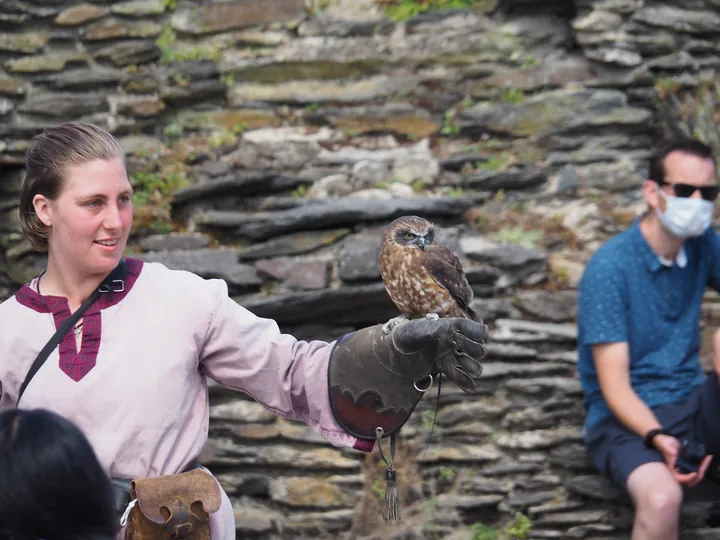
[(650, 435)]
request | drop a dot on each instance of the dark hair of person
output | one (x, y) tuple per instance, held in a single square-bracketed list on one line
[(656, 169), (52, 485)]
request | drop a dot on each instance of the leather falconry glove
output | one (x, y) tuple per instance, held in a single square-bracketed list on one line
[(376, 379)]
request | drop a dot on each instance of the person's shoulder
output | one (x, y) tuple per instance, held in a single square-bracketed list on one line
[(710, 238), (9, 306), (614, 250), (16, 317), (175, 281), (157, 270), (612, 258)]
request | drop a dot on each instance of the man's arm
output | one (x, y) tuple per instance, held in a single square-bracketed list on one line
[(612, 363), (711, 249), (603, 321)]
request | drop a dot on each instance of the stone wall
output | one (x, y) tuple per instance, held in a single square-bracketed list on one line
[(271, 141)]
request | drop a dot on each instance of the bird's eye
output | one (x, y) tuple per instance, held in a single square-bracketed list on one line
[(408, 235)]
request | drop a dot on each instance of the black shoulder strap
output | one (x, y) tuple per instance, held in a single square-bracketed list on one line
[(115, 282)]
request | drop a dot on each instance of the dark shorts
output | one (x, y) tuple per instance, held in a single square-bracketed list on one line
[(616, 452)]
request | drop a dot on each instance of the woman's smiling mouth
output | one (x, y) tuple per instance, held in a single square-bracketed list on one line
[(107, 243)]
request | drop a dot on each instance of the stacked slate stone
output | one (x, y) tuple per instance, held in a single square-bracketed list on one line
[(271, 142)]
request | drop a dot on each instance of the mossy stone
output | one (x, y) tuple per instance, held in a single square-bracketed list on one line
[(27, 42), (311, 70), (79, 14)]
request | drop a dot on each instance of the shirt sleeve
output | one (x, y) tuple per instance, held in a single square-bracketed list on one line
[(714, 273), (602, 313), (286, 375)]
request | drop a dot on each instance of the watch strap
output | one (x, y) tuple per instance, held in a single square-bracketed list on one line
[(650, 435)]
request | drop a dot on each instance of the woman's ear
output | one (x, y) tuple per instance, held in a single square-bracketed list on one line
[(43, 209)]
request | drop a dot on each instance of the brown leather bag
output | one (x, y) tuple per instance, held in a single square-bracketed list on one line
[(173, 506)]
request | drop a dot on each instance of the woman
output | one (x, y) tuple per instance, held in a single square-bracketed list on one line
[(51, 483), (132, 373)]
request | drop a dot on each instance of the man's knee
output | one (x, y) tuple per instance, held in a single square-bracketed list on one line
[(655, 492), (663, 501)]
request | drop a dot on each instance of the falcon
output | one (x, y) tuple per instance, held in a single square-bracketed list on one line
[(423, 279)]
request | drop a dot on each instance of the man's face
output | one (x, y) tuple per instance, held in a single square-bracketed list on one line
[(683, 172)]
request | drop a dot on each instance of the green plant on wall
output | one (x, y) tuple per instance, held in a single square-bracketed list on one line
[(480, 531), (446, 473), (402, 10), (512, 95), (690, 112), (223, 138), (173, 51), (520, 528), (150, 185), (518, 236), (317, 6), (517, 530), (494, 163), (161, 175), (449, 126)]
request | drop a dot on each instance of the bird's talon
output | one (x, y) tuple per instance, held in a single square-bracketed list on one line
[(392, 323), (432, 316)]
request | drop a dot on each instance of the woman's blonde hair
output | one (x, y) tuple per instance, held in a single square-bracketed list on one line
[(46, 161)]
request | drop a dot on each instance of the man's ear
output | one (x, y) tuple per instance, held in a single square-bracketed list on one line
[(650, 193), (43, 209)]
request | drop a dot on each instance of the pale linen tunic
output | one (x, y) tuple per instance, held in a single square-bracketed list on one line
[(138, 389)]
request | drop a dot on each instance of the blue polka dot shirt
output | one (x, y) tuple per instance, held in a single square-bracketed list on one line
[(627, 294)]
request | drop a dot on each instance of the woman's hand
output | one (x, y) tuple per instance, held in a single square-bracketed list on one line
[(376, 378), (670, 447)]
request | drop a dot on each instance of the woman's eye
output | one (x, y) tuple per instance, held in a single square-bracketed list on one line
[(93, 204)]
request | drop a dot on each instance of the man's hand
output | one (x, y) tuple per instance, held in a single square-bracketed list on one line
[(670, 447)]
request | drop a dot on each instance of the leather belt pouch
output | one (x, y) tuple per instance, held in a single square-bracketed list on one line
[(173, 506)]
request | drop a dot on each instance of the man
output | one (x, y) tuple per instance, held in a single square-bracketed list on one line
[(639, 337)]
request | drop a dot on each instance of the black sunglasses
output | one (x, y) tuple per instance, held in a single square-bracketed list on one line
[(709, 193)]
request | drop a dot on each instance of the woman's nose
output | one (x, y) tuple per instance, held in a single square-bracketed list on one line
[(112, 217)]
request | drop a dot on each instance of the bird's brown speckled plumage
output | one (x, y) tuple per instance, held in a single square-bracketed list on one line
[(421, 281)]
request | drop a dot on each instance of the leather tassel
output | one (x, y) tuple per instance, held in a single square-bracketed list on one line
[(391, 512)]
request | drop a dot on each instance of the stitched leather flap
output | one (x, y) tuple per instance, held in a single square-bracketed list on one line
[(162, 497)]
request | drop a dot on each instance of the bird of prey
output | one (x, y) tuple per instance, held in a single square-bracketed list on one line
[(423, 279)]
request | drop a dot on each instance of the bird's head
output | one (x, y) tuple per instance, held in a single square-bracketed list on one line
[(413, 232)]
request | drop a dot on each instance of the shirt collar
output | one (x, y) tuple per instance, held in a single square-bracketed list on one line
[(653, 261), (680, 259)]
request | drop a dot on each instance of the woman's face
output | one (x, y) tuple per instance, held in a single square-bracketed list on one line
[(90, 220)]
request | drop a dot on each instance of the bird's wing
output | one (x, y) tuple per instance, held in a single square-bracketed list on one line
[(445, 268)]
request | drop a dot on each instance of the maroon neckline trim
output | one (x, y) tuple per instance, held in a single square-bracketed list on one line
[(76, 364)]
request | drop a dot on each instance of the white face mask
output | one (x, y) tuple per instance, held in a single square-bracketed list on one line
[(685, 217)]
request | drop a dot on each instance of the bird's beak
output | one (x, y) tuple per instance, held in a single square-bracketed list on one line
[(422, 242)]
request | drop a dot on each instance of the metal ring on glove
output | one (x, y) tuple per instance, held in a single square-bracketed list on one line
[(423, 390)]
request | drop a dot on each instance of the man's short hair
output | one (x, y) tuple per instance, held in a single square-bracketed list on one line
[(687, 145)]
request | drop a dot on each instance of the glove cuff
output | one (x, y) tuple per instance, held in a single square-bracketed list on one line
[(369, 388)]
